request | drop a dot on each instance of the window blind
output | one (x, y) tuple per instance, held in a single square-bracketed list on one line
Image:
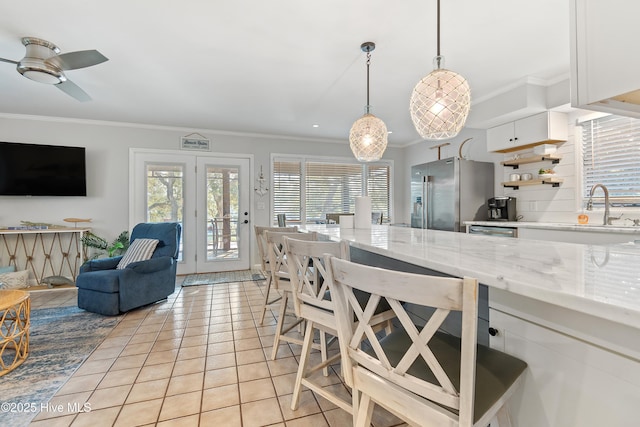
[(378, 185), (287, 183), (306, 189), (611, 156), (331, 188)]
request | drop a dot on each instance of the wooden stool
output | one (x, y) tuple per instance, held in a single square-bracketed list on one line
[(15, 309)]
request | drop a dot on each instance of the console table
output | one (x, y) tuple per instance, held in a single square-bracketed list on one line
[(51, 252)]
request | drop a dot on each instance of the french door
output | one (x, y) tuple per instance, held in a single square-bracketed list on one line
[(208, 194)]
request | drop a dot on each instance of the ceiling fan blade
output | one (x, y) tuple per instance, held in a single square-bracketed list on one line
[(79, 59), (9, 61), (73, 90)]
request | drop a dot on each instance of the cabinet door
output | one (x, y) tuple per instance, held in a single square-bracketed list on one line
[(603, 36), (569, 382), (500, 137), (531, 129)]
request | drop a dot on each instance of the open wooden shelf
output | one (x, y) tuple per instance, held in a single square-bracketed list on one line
[(555, 182), (533, 159)]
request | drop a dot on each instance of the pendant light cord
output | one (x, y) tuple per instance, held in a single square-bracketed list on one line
[(438, 26), (368, 63)]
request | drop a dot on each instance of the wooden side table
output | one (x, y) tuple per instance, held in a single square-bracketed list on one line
[(15, 310)]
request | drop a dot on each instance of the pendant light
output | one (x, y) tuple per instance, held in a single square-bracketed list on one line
[(368, 135), (440, 101)]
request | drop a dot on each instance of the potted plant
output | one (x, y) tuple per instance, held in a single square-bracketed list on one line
[(103, 247), (546, 173)]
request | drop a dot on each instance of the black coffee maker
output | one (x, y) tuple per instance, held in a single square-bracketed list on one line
[(502, 208)]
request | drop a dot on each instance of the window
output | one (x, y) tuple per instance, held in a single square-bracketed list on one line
[(611, 156), (306, 189)]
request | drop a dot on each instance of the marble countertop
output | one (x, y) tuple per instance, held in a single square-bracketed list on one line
[(592, 228), (599, 280)]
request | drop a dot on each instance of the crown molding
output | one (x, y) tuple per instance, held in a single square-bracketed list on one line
[(178, 129)]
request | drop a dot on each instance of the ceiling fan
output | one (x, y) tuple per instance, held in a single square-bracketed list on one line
[(43, 63)]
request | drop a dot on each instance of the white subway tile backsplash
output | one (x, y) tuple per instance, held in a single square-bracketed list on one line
[(545, 202)]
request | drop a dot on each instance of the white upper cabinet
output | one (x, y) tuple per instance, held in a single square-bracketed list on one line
[(605, 64), (543, 128)]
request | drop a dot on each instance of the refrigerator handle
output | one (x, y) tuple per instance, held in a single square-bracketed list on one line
[(425, 200)]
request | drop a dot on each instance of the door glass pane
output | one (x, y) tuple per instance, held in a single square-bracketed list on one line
[(222, 213), (165, 183)]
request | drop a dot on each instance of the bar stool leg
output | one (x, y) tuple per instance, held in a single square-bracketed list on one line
[(302, 368), (266, 302), (279, 325)]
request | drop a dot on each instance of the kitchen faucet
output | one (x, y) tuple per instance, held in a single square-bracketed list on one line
[(605, 220)]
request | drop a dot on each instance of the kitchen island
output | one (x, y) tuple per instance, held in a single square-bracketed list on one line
[(571, 311)]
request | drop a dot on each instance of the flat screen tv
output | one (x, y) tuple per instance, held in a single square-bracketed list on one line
[(42, 170)]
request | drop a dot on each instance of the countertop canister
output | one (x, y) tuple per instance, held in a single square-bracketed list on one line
[(363, 212)]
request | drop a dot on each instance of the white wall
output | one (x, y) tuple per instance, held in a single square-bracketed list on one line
[(108, 144)]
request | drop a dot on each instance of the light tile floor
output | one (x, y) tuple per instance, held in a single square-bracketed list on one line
[(199, 358)]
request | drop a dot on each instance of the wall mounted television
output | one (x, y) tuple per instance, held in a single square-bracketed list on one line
[(42, 170)]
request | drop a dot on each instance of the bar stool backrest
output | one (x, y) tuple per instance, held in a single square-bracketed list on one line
[(420, 374), (307, 274), (262, 244), (276, 254)]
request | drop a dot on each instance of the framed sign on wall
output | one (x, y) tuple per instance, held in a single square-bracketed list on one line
[(195, 141)]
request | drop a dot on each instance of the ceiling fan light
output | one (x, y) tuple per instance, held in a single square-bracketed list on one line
[(40, 71), (43, 76), (368, 138), (440, 104)]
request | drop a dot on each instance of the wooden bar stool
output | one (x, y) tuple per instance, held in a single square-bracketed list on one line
[(281, 283), (421, 375), (264, 263), (312, 299)]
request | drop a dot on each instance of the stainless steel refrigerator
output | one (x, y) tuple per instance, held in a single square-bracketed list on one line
[(447, 192)]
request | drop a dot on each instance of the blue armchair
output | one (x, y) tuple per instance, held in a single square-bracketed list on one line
[(106, 290)]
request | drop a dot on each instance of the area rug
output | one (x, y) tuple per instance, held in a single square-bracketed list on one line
[(60, 340), (223, 277)]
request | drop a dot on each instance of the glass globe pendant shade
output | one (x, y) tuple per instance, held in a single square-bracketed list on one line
[(440, 103), (368, 138)]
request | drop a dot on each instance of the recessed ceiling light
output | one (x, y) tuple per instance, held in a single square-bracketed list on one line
[(390, 131), (316, 126)]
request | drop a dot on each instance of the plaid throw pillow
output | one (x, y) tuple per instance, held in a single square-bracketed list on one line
[(140, 250)]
